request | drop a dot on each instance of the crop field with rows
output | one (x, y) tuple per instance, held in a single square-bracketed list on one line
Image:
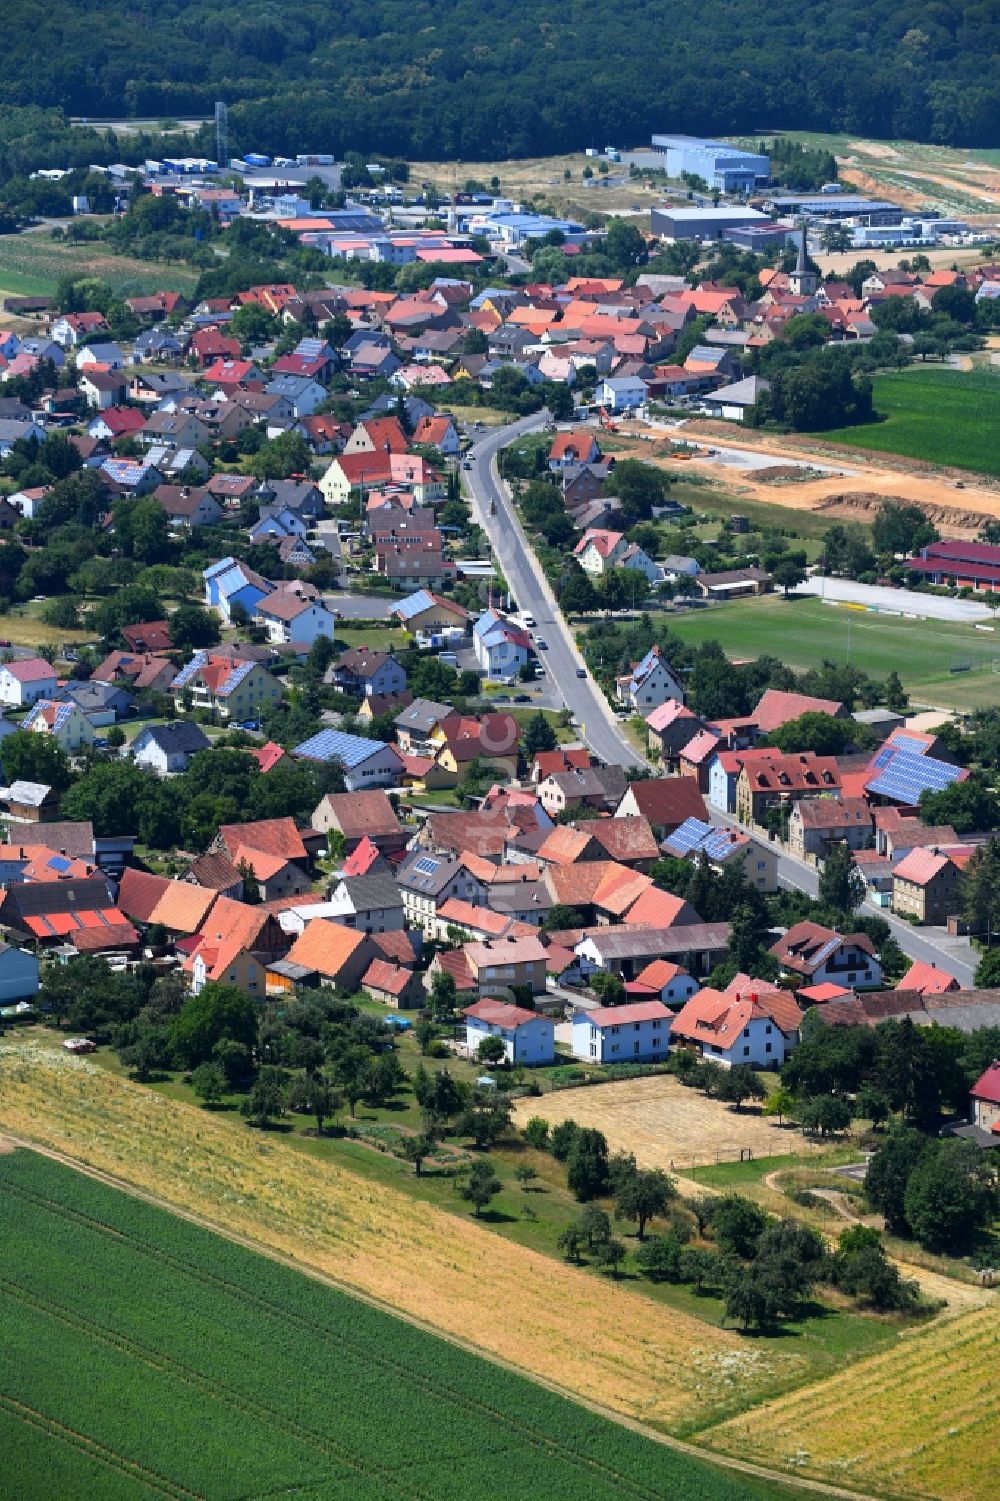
[(143, 1356), (594, 1337), (918, 1420)]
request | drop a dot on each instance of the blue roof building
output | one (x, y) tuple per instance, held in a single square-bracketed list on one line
[(229, 583)]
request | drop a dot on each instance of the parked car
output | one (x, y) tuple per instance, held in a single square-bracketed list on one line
[(540, 644)]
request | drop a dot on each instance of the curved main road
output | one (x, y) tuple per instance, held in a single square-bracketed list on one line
[(496, 514)]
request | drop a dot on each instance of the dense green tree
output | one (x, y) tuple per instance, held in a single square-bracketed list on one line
[(861, 1268), (35, 758), (814, 731), (737, 1224), (888, 1173), (841, 885), (643, 1194), (216, 1012), (482, 1186), (951, 1195), (209, 1083), (538, 735), (587, 1163)]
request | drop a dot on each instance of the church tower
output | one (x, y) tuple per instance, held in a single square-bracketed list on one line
[(802, 282)]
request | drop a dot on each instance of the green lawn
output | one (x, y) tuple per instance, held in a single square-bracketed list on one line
[(943, 416), (147, 1357), (803, 632)]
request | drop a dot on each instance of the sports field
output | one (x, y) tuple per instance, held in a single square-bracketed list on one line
[(142, 1356), (944, 416), (666, 1125), (943, 665)]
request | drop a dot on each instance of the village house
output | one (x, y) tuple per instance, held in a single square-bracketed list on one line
[(747, 1024), (782, 781), (167, 748), (651, 683), (65, 722), (501, 964), (819, 954), (927, 884), (229, 690), (627, 950), (332, 953), (23, 682), (427, 615), (662, 981), (984, 1099), (501, 647), (722, 847), (665, 801), (815, 824), (527, 1037), (287, 617), (634, 1033), (365, 763), (371, 903)]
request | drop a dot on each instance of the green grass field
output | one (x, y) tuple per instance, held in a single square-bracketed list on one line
[(943, 416), (33, 263), (806, 631), (145, 1357)]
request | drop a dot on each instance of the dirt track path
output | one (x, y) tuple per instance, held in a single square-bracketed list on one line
[(934, 490), (778, 1477)]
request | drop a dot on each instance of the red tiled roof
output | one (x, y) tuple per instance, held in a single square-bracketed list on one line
[(272, 836), (987, 1086), (638, 1011), (499, 1014), (776, 707), (928, 979)]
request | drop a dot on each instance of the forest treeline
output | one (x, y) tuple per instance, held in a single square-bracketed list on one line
[(477, 79)]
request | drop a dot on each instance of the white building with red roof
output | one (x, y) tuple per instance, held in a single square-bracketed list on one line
[(24, 682), (527, 1036), (747, 1025), (634, 1033)]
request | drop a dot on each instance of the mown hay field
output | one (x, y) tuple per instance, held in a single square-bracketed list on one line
[(144, 1356), (665, 1124), (921, 1419), (592, 1337)]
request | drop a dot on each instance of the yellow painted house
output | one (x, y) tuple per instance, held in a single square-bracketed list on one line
[(230, 690)]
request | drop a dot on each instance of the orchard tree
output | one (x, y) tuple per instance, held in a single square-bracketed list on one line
[(481, 1186), (642, 1195)]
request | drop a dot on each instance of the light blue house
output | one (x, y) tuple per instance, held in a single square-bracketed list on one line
[(277, 521), (501, 647), (18, 974), (229, 583), (723, 774), (527, 1036), (636, 1033)]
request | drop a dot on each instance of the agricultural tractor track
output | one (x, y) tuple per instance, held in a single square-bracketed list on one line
[(430, 1387)]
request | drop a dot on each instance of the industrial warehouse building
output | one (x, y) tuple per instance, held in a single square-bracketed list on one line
[(835, 206), (722, 166), (703, 223)]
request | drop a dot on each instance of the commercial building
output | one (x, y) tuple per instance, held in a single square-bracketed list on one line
[(720, 165), (839, 206), (702, 223)]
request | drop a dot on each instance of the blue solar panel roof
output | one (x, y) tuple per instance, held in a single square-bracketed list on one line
[(336, 745), (903, 776)]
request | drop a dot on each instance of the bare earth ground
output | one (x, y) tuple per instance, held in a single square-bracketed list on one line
[(665, 1124), (842, 496)]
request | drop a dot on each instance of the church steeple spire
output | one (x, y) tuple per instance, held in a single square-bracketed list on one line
[(803, 282)]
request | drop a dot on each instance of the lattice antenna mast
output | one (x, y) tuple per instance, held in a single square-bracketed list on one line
[(221, 134)]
